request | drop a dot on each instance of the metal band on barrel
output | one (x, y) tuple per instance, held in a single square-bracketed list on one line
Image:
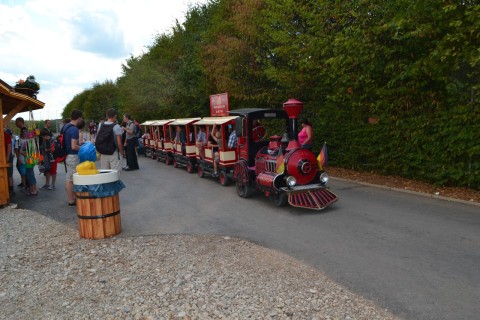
[(99, 217), (92, 197)]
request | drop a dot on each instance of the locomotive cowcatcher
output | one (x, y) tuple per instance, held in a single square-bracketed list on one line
[(278, 167)]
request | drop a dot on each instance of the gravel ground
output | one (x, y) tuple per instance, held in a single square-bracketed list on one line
[(48, 272)]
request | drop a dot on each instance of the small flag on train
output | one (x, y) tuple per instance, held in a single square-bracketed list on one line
[(280, 163), (322, 158)]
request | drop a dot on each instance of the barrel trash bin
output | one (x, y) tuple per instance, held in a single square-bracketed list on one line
[(98, 204)]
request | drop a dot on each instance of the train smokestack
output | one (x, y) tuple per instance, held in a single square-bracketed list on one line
[(293, 108)]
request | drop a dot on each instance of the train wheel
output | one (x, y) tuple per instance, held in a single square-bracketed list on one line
[(201, 172), (244, 189), (175, 163), (190, 167), (278, 199), (223, 178)]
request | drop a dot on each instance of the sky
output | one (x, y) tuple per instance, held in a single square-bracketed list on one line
[(69, 45)]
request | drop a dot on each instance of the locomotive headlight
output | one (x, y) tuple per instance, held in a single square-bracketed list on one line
[(324, 178), (291, 181)]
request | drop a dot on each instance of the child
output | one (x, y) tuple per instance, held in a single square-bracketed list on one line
[(48, 156)]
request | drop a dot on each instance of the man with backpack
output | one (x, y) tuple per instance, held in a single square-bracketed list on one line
[(71, 144), (109, 142)]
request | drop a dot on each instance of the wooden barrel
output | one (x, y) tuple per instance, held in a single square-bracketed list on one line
[(98, 218)]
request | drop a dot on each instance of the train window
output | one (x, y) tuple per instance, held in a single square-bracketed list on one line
[(273, 126), (240, 126), (270, 115)]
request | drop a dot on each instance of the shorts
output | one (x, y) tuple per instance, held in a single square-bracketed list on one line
[(53, 168), (30, 176), (72, 161), (21, 168), (10, 168)]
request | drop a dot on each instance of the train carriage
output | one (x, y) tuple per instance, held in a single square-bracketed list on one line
[(227, 156), (147, 139), (183, 148), (162, 139)]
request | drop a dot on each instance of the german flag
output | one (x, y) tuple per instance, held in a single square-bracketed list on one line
[(322, 158)]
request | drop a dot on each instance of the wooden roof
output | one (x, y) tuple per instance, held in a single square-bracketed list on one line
[(14, 102)]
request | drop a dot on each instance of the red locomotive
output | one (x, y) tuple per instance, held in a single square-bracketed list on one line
[(279, 167)]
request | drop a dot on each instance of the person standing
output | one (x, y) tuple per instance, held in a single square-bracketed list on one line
[(305, 136), (46, 135), (20, 124), (9, 157), (20, 148), (71, 136), (109, 142), (131, 140)]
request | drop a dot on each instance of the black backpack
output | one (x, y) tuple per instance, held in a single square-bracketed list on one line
[(105, 140), (59, 147)]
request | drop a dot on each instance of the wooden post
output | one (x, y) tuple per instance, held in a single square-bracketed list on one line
[(4, 192)]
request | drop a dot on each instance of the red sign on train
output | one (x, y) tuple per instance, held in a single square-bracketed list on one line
[(219, 105)]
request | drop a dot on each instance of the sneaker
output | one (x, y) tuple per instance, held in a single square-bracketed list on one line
[(73, 204), (215, 175), (45, 187), (51, 187)]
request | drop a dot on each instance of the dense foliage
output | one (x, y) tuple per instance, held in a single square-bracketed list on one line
[(391, 86)]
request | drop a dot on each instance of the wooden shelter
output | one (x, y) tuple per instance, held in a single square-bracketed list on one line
[(11, 103)]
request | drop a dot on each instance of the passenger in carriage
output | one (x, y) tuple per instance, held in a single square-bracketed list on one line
[(180, 137), (217, 138), (232, 138), (258, 131), (191, 138), (201, 141)]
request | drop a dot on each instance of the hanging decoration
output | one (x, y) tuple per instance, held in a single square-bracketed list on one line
[(33, 156)]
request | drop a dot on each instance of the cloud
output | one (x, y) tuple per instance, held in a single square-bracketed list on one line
[(98, 32), (69, 45)]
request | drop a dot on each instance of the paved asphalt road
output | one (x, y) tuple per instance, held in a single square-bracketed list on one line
[(417, 256)]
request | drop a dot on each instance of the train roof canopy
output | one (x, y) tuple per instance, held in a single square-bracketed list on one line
[(182, 122), (215, 120), (162, 122), (149, 122)]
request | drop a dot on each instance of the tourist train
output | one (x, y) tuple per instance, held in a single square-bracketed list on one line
[(275, 165)]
